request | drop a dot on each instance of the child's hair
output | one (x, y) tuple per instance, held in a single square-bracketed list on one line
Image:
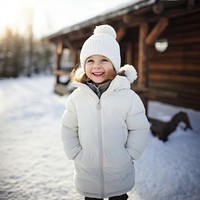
[(78, 75)]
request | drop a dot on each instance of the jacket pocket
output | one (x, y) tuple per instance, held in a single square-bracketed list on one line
[(117, 158), (87, 159)]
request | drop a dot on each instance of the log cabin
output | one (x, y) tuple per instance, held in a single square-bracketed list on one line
[(160, 38)]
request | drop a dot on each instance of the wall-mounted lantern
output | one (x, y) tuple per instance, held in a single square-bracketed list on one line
[(161, 45)]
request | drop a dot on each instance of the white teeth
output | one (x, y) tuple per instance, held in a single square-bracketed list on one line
[(97, 73)]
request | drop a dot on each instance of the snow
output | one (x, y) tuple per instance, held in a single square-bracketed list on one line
[(33, 164)]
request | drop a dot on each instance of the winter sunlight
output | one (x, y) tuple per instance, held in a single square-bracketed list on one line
[(13, 14)]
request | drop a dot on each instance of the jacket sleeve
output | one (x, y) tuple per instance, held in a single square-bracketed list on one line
[(138, 128), (69, 130)]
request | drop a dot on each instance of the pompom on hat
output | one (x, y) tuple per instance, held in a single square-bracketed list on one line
[(102, 42)]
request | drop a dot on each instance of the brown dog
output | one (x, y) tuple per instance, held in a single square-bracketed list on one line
[(162, 129)]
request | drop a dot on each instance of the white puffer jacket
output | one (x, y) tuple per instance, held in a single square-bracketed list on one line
[(103, 137)]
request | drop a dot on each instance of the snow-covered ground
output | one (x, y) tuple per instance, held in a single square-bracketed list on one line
[(33, 165)]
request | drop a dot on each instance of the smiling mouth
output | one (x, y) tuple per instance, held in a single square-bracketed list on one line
[(98, 73)]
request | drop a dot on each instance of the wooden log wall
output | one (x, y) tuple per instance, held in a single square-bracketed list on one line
[(129, 47), (174, 75)]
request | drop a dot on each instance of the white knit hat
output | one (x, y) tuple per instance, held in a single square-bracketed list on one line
[(102, 42)]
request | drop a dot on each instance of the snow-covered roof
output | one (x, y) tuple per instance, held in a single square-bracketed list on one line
[(108, 14)]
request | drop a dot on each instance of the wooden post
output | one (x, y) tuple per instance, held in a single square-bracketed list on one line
[(129, 53), (59, 52), (142, 58), (120, 34), (75, 57), (143, 64)]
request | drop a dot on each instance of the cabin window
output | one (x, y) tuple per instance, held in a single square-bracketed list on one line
[(161, 45)]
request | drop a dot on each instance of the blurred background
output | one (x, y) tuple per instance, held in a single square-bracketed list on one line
[(25, 23)]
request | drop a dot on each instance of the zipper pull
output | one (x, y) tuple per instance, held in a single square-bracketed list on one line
[(99, 105)]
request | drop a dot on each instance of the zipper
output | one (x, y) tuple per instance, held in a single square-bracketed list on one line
[(101, 148), (99, 105)]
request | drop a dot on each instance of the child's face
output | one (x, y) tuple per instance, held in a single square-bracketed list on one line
[(98, 68)]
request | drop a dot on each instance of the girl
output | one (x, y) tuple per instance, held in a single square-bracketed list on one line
[(104, 127)]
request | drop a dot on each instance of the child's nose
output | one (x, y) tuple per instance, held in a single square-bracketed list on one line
[(97, 64)]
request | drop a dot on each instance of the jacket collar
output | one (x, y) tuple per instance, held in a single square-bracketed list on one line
[(100, 89), (118, 83)]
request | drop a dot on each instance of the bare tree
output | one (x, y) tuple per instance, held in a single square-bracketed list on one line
[(6, 52), (30, 36)]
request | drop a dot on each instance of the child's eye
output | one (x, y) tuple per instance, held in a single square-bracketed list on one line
[(104, 60), (89, 61)]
